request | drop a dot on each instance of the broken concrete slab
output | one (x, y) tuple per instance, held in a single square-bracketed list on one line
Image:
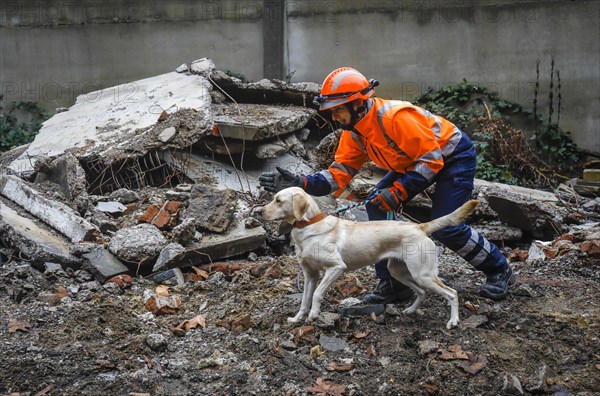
[(103, 265), (33, 241), (57, 215), (239, 240), (236, 241), (203, 169), (531, 194), (268, 148), (123, 119), (137, 244), (531, 212), (68, 174), (213, 209), (247, 121), (267, 91), (498, 231)]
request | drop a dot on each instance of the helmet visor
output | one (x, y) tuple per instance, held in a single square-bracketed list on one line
[(326, 102)]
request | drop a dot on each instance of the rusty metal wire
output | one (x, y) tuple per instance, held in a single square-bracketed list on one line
[(132, 173)]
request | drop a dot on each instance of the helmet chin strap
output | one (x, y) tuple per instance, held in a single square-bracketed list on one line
[(355, 115)]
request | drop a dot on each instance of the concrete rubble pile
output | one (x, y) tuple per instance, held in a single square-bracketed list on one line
[(162, 173)]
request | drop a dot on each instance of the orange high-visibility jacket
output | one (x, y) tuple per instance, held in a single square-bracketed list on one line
[(397, 136)]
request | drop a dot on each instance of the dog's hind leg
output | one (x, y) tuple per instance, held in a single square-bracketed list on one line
[(331, 275), (311, 277), (399, 271), (435, 285)]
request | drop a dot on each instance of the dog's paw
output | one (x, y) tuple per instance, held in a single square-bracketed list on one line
[(409, 310), (293, 320), (312, 317), (451, 324)]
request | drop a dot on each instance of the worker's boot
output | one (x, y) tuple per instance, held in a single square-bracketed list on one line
[(497, 284), (388, 291)]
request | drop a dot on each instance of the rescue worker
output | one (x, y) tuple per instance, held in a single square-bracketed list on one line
[(418, 149)]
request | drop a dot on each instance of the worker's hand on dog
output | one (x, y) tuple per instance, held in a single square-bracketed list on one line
[(388, 200), (277, 181)]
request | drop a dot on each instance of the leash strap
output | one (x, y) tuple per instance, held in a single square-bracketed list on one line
[(390, 215), (356, 205)]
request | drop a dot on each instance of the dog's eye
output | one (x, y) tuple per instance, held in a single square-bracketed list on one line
[(277, 199)]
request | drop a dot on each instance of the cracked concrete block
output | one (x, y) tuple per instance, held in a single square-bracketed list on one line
[(498, 231), (103, 265), (213, 209), (532, 210), (138, 243), (215, 247), (57, 215), (241, 240), (33, 241), (167, 256), (66, 172), (258, 122)]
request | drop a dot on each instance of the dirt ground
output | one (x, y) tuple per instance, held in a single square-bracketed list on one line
[(90, 339)]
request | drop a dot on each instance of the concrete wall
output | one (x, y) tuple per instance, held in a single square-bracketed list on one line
[(51, 51)]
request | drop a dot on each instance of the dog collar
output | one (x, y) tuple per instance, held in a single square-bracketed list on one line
[(304, 223)]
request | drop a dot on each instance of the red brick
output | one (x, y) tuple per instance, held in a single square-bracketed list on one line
[(172, 206), (162, 219), (149, 214)]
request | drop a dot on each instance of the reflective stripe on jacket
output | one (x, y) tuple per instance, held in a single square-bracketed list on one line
[(397, 136)]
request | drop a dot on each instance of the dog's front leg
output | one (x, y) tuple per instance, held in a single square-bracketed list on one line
[(330, 276), (310, 283)]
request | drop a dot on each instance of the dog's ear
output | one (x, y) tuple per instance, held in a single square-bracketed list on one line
[(299, 205)]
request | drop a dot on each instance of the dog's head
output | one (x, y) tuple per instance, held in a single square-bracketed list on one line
[(289, 205)]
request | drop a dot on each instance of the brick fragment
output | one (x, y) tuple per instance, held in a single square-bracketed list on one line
[(149, 214)]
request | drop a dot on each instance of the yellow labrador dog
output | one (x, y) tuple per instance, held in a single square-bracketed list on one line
[(333, 245)]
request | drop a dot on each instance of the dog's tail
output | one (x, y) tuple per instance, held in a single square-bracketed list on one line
[(452, 219)]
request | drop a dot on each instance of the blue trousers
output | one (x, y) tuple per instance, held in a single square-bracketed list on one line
[(454, 186)]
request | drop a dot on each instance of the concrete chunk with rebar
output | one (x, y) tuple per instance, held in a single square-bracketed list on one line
[(57, 215)]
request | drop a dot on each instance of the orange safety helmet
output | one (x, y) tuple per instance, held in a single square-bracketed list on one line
[(344, 85)]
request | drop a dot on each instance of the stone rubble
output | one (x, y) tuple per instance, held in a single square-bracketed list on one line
[(170, 181)]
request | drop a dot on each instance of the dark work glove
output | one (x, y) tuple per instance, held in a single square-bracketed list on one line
[(388, 200), (277, 181)]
